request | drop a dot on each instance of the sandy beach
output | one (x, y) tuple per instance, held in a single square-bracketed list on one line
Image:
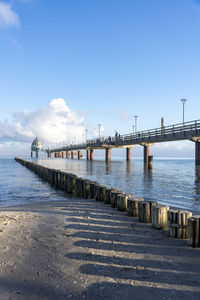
[(83, 249)]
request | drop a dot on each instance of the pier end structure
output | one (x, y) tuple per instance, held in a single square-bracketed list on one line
[(36, 146)]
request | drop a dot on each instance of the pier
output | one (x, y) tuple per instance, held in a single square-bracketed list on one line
[(177, 132)]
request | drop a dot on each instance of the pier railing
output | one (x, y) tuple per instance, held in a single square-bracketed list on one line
[(166, 133)]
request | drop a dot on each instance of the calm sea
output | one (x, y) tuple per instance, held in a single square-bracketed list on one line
[(175, 182)]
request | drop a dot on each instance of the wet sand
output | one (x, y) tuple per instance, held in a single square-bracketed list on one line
[(83, 249)]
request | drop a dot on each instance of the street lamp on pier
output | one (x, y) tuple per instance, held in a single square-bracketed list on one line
[(99, 130), (183, 101), (86, 131), (133, 128), (135, 123)]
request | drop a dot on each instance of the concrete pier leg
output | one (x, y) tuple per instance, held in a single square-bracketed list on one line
[(108, 154), (197, 153), (146, 154), (72, 154), (31, 154), (128, 154), (79, 154), (150, 162), (88, 154), (67, 154), (62, 154), (91, 154), (36, 154)]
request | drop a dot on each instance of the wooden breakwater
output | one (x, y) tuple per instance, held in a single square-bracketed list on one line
[(179, 223)]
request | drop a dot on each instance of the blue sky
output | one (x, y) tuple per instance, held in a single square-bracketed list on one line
[(108, 60)]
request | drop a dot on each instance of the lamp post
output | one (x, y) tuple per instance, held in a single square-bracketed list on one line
[(99, 130), (183, 101), (135, 123), (86, 131)]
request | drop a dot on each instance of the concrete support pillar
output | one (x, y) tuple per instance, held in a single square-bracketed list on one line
[(62, 154), (146, 153), (91, 154), (79, 154), (197, 153), (31, 154), (108, 154), (88, 154), (36, 154), (128, 154), (67, 154), (150, 162), (72, 154)]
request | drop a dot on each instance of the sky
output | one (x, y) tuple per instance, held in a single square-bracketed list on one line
[(69, 65)]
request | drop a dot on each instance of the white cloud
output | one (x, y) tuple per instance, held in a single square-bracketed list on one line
[(8, 18), (125, 116), (55, 123)]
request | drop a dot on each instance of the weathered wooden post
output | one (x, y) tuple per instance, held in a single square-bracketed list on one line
[(194, 231), (79, 186), (93, 184), (98, 192), (159, 217), (103, 193), (144, 212), (122, 201), (145, 208), (72, 185), (132, 206), (57, 179), (178, 223), (107, 195), (86, 189), (68, 183), (51, 177), (62, 180), (113, 197)]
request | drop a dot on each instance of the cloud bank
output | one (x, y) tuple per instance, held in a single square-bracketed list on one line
[(53, 124), (8, 18)]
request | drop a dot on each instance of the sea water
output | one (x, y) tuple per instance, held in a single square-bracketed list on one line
[(173, 182)]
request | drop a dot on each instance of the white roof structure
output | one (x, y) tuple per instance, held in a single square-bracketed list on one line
[(36, 145)]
